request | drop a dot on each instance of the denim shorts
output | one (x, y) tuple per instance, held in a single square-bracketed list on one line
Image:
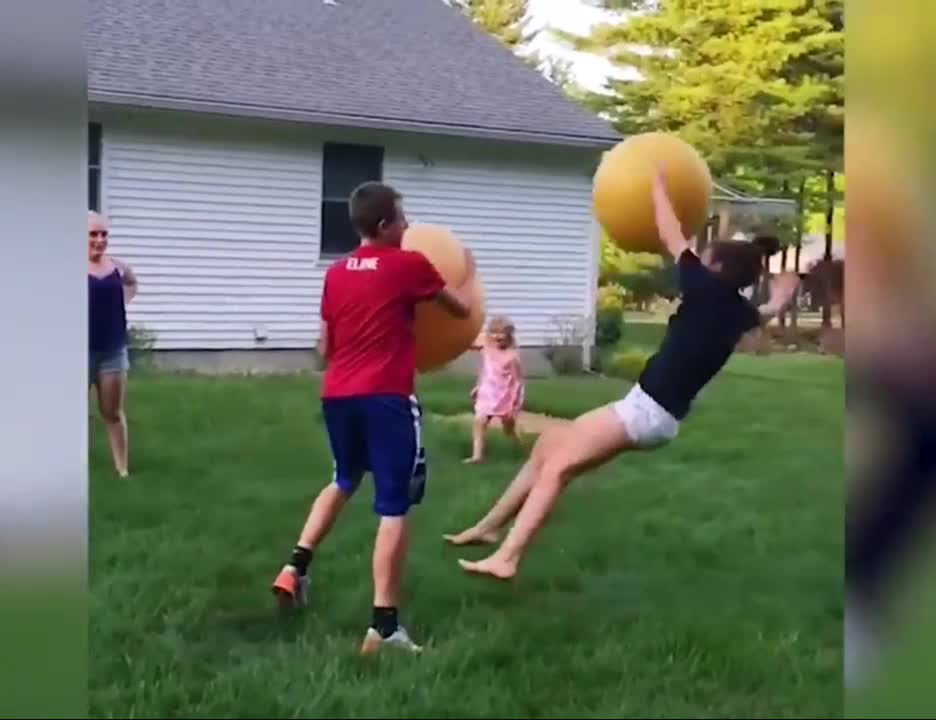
[(106, 363)]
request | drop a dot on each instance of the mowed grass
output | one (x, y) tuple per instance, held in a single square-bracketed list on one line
[(703, 580)]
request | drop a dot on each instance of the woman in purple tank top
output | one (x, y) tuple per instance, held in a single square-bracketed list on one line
[(111, 285)]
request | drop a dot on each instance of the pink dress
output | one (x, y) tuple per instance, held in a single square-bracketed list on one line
[(500, 388)]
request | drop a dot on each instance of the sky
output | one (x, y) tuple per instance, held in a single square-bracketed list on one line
[(576, 16)]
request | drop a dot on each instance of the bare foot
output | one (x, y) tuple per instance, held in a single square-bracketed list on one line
[(492, 566), (472, 460), (473, 536)]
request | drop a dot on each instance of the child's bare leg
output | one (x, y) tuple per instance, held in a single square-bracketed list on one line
[(593, 439), (510, 429), (479, 428)]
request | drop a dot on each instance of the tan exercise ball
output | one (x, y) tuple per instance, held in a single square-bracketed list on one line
[(440, 337), (442, 249), (621, 192)]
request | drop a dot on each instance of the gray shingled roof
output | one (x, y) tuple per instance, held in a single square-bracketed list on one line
[(404, 64)]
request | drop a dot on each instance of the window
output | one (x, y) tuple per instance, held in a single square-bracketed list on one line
[(344, 167), (94, 166)]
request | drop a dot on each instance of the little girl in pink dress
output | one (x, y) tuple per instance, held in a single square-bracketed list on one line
[(499, 391)]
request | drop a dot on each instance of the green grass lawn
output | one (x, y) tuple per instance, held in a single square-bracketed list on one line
[(704, 580)]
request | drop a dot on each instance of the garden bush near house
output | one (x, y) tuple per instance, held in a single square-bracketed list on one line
[(563, 350), (626, 364), (609, 327), (609, 315), (643, 277), (612, 296), (564, 359), (141, 342)]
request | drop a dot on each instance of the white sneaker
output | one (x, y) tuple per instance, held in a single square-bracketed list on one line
[(400, 639), (860, 644)]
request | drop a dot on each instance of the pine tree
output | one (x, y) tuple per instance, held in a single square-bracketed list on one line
[(742, 80), (503, 19)]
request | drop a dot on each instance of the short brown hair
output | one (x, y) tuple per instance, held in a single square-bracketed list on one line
[(371, 204), (741, 261)]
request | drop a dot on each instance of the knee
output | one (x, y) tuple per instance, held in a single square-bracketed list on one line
[(556, 472), (112, 416), (547, 440)]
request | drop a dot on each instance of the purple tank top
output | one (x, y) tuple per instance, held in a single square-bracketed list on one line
[(107, 316)]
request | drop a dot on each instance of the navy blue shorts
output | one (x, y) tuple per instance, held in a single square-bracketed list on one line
[(380, 434)]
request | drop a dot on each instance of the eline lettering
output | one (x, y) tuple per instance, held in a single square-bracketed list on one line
[(368, 263)]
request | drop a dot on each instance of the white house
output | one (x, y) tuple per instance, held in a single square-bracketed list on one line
[(226, 135)]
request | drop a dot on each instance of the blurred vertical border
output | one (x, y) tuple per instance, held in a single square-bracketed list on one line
[(43, 363), (890, 632)]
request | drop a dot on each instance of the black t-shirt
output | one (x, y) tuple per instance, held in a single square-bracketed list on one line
[(702, 334)]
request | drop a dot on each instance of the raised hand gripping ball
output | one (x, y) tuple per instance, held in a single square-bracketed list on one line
[(441, 338), (622, 197)]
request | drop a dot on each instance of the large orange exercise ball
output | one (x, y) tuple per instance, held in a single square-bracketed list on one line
[(441, 248), (440, 337), (621, 191)]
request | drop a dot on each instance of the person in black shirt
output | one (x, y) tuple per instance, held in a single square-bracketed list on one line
[(702, 334)]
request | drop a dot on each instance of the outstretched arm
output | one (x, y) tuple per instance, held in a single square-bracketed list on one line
[(477, 383), (668, 225), (130, 282)]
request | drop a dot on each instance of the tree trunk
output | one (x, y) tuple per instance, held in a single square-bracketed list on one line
[(783, 268), (783, 255), (800, 210), (829, 220)]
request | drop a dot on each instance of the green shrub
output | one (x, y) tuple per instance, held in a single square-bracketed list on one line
[(627, 364), (140, 347), (564, 359), (609, 326)]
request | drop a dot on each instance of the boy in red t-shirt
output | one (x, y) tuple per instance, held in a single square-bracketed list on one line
[(368, 402)]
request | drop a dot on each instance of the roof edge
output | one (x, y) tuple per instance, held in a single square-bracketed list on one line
[(157, 102)]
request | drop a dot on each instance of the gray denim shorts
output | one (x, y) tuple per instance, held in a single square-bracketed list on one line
[(107, 363)]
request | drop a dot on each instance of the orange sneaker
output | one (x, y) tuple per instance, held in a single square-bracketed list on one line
[(291, 589)]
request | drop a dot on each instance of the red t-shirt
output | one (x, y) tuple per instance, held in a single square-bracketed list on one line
[(369, 302)]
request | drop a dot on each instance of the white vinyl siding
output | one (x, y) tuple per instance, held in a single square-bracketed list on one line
[(222, 230), (222, 225), (528, 224)]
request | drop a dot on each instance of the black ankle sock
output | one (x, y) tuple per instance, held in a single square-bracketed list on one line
[(385, 621), (300, 559)]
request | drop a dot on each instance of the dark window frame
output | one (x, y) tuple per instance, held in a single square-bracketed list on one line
[(95, 165), (336, 236)]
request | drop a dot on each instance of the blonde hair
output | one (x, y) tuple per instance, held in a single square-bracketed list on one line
[(501, 325)]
